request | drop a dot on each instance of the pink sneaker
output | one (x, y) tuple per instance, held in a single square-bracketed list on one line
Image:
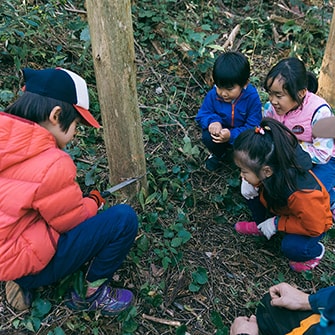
[(248, 228), (308, 265)]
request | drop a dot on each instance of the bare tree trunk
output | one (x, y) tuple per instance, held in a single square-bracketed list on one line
[(327, 73), (113, 51)]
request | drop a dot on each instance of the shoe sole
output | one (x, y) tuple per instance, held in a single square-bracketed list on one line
[(15, 296)]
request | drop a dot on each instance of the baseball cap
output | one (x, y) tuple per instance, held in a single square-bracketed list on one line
[(324, 128), (61, 84)]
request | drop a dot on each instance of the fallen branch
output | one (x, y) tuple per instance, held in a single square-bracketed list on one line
[(232, 36), (162, 321)]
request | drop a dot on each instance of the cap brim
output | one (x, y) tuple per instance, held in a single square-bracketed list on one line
[(324, 128), (87, 117)]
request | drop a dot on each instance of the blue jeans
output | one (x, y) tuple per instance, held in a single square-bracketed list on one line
[(301, 248), (218, 149), (104, 240), (326, 174)]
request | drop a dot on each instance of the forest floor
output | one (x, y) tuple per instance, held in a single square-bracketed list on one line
[(239, 269)]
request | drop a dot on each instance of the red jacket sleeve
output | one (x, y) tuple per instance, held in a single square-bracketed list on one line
[(59, 199)]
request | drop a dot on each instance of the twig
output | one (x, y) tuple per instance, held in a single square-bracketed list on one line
[(162, 321), (232, 36), (90, 163), (74, 10)]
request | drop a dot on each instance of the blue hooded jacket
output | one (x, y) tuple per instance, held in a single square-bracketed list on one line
[(324, 302), (243, 113)]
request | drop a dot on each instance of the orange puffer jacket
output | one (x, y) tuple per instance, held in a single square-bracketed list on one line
[(39, 197)]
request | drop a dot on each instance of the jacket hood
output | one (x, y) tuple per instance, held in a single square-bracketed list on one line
[(21, 139)]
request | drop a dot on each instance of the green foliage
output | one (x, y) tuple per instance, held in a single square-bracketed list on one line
[(216, 319), (40, 308), (178, 42), (199, 278)]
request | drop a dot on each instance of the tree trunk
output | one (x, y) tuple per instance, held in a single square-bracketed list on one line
[(327, 73), (113, 52)]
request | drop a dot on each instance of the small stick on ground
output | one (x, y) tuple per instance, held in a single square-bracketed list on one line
[(162, 321)]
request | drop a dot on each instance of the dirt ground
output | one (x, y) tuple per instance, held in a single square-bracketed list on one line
[(240, 269)]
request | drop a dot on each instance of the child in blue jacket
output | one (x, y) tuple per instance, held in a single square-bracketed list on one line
[(230, 107)]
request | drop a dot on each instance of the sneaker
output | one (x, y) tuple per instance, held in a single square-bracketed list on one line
[(308, 265), (248, 228), (109, 300), (213, 163), (17, 297)]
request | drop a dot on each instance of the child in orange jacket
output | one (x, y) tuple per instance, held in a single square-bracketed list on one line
[(289, 196)]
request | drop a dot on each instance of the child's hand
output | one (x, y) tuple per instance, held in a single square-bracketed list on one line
[(244, 325), (215, 128), (268, 227), (222, 137), (248, 191), (96, 196)]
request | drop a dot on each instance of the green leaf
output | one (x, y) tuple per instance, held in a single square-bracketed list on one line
[(165, 262), (184, 235), (143, 243), (181, 330), (216, 319), (176, 242), (6, 95), (85, 34), (58, 331), (160, 166), (193, 287), (130, 326), (150, 198), (200, 276), (40, 308)]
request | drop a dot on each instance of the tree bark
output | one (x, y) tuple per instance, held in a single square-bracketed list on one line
[(327, 72), (113, 52)]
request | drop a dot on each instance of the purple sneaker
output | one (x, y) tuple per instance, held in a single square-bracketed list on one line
[(109, 300)]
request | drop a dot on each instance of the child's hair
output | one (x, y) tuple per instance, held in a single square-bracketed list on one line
[(231, 68), (271, 144), (292, 72), (37, 108)]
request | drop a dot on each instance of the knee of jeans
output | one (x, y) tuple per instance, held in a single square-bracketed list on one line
[(127, 215)]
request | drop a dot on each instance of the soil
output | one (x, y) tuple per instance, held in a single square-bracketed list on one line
[(240, 269)]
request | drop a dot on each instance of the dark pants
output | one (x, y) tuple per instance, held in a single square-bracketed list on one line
[(218, 149), (104, 240), (280, 321), (298, 248)]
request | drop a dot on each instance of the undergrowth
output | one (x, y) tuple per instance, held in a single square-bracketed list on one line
[(187, 268)]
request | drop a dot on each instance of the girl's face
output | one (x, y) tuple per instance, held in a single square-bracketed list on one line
[(249, 176), (279, 98), (229, 94), (246, 173)]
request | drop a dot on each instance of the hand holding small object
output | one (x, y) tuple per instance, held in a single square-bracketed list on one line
[(96, 196)]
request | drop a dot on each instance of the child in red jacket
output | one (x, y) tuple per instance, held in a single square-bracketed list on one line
[(48, 229)]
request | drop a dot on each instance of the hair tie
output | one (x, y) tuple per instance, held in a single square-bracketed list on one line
[(259, 130)]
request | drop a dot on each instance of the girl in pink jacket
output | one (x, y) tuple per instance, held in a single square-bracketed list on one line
[(294, 103), (48, 229)]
